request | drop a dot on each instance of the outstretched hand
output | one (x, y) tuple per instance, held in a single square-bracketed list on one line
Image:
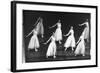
[(50, 27), (79, 24), (44, 43), (65, 35)]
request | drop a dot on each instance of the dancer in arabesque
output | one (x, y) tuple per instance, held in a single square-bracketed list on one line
[(52, 47), (70, 42), (58, 32)]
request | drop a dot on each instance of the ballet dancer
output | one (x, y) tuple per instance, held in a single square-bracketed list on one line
[(34, 42), (70, 42), (86, 30), (80, 49), (58, 32), (52, 47)]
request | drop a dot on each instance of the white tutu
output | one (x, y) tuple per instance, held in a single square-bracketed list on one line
[(58, 32), (34, 42), (70, 42), (80, 49), (52, 48)]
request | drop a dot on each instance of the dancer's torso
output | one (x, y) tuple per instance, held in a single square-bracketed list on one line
[(59, 25)]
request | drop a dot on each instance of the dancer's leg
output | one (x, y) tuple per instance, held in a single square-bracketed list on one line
[(59, 41), (54, 52), (36, 49), (42, 36), (65, 48), (54, 56), (72, 49), (83, 54)]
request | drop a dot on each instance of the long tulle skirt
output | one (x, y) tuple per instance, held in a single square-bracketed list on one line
[(86, 35), (80, 49), (51, 49), (34, 42), (70, 42), (58, 34)]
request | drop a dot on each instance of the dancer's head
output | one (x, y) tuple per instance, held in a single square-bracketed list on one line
[(71, 27), (59, 21), (41, 20)]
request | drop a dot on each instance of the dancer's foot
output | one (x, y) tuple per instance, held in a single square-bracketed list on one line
[(59, 42), (65, 49), (83, 55), (54, 56), (72, 49), (36, 50), (75, 55), (42, 36)]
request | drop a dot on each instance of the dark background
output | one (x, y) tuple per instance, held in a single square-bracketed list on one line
[(50, 18)]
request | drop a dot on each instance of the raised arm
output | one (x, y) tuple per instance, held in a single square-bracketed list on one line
[(30, 33), (78, 41), (53, 25), (48, 40), (82, 24), (68, 33), (37, 21)]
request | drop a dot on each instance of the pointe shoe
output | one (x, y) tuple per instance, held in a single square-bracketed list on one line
[(65, 49), (36, 50), (54, 56), (75, 55), (83, 55), (59, 42), (42, 36)]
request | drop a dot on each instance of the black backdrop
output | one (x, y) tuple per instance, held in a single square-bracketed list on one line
[(50, 18)]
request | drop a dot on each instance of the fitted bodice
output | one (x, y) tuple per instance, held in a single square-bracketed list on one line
[(59, 25), (82, 38), (72, 32), (52, 38), (86, 24), (34, 32)]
